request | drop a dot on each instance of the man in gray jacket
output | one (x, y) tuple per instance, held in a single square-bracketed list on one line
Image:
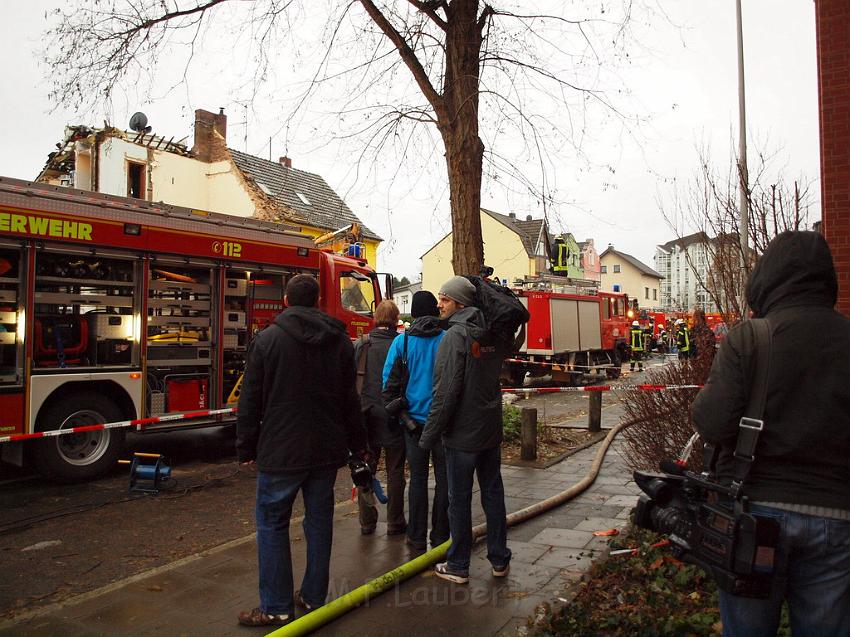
[(466, 411)]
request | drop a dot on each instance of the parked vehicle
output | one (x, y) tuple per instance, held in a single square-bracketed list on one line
[(573, 331), (115, 309)]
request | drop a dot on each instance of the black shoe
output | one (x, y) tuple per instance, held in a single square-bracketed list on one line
[(444, 571), (367, 530), (396, 530)]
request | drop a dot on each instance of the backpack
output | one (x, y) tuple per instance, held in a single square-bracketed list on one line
[(503, 312)]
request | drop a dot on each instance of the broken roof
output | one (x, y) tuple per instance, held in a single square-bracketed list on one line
[(306, 194), (684, 242)]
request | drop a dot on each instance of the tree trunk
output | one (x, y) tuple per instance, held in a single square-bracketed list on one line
[(458, 124)]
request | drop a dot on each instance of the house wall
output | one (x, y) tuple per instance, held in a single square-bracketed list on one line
[(631, 281), (503, 251), (590, 261), (832, 18), (680, 288), (574, 269)]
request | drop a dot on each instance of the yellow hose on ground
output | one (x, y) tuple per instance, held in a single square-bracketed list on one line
[(341, 605)]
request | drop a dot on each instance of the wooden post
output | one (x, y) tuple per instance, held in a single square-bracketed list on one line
[(594, 412), (529, 433)]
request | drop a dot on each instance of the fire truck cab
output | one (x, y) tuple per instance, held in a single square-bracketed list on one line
[(115, 309)]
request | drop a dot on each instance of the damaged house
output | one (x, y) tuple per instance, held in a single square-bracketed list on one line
[(208, 176)]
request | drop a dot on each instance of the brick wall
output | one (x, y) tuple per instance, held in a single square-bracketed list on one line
[(210, 136), (833, 42)]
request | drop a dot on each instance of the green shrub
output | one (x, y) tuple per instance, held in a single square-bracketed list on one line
[(511, 422)]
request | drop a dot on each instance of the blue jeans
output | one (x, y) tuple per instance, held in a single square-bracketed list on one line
[(461, 466), (812, 572), (275, 495), (417, 495)]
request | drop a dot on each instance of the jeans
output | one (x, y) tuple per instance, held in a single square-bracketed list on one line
[(461, 466), (394, 460), (275, 495), (812, 565), (417, 495)]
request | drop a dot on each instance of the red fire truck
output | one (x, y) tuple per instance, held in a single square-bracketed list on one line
[(117, 309), (572, 331)]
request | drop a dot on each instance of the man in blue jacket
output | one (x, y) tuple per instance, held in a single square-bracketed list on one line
[(299, 415), (466, 413), (422, 340)]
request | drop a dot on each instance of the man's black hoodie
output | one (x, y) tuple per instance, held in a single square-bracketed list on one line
[(298, 408), (803, 453)]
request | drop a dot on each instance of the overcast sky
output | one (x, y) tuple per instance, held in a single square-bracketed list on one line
[(683, 81)]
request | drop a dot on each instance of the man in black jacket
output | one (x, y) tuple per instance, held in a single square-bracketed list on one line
[(299, 415), (466, 412), (801, 470)]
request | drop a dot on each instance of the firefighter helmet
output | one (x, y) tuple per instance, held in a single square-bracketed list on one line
[(680, 321), (635, 324)]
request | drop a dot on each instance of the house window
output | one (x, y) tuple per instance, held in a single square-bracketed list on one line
[(616, 269), (654, 295), (646, 293), (604, 269), (303, 198), (136, 180)]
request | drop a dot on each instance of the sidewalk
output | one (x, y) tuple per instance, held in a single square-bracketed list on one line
[(201, 595)]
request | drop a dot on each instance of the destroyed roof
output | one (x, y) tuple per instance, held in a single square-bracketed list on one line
[(62, 160), (642, 267), (528, 230), (306, 194)]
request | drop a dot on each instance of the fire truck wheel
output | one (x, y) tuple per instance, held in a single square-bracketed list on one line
[(79, 456)]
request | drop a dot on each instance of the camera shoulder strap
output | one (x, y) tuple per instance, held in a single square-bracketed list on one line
[(752, 422)]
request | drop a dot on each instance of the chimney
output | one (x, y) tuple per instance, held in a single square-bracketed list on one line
[(512, 215), (285, 161), (528, 217), (210, 136)]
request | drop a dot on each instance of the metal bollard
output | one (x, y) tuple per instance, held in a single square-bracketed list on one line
[(529, 434), (594, 412)]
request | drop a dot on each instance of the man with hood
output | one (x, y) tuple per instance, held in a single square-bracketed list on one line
[(466, 411), (421, 341), (298, 418), (801, 467)]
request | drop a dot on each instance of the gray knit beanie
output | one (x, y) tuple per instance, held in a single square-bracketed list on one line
[(460, 290)]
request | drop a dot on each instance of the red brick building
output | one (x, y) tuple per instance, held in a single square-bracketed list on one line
[(832, 19)]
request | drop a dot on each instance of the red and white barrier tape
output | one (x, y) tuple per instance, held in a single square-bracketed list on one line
[(558, 390), (138, 422)]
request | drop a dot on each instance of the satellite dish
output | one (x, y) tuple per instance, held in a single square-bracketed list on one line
[(139, 123)]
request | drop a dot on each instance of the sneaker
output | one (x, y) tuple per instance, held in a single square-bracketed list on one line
[(444, 571), (300, 603), (257, 617), (502, 572)]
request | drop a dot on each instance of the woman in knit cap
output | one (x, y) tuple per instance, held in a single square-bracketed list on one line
[(421, 341)]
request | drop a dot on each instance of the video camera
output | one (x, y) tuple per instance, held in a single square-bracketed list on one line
[(708, 525), (397, 408)]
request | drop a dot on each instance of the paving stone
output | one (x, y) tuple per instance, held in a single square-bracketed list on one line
[(621, 500), (561, 537), (598, 524)]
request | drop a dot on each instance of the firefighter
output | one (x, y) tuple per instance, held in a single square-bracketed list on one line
[(560, 256), (683, 339), (636, 342)]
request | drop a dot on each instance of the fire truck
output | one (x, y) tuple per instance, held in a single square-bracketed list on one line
[(115, 309), (573, 331)]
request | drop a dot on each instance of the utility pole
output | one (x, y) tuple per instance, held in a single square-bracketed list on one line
[(743, 179)]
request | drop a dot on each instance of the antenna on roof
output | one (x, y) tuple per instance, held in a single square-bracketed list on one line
[(139, 123)]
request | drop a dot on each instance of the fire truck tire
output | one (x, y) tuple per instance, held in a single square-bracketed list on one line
[(79, 456)]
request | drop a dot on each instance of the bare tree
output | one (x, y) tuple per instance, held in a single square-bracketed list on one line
[(462, 56), (708, 206)]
